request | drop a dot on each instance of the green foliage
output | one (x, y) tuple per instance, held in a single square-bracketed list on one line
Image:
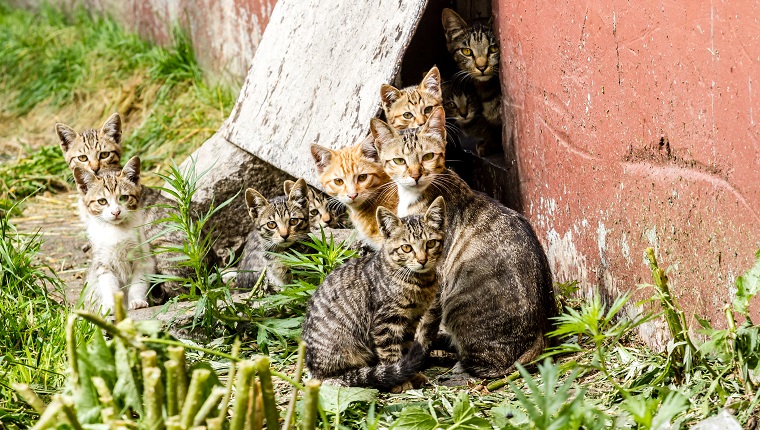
[(463, 415), (42, 169)]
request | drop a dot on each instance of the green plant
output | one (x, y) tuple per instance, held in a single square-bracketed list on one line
[(463, 415)]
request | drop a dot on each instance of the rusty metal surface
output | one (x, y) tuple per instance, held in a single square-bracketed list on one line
[(636, 127), (224, 33)]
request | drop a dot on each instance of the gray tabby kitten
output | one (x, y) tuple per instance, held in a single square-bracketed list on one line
[(475, 49), (361, 321), (324, 212), (279, 224), (463, 107), (496, 287), (121, 259)]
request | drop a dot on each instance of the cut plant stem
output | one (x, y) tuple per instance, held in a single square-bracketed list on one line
[(194, 398), (211, 403), (153, 397), (311, 402), (177, 353), (267, 393), (245, 373), (172, 398), (289, 415)]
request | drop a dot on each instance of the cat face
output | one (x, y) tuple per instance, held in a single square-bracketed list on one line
[(413, 158), (414, 242), (283, 220), (114, 195), (460, 103), (323, 211), (411, 106), (92, 150), (473, 47), (348, 174)]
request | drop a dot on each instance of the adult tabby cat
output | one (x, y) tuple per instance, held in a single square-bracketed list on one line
[(279, 224), (463, 107), (121, 259), (324, 212), (490, 252), (475, 49), (358, 182), (410, 106), (361, 321)]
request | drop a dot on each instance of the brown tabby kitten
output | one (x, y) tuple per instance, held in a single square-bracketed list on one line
[(92, 149), (410, 106), (358, 182), (121, 259), (361, 321), (475, 49), (464, 109), (490, 252), (324, 212), (279, 224)]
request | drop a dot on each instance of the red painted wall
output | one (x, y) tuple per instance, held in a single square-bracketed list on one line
[(636, 125)]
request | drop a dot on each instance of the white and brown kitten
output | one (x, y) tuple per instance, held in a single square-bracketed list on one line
[(409, 107), (360, 325), (121, 259)]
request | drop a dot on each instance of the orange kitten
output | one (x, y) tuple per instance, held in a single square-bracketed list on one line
[(352, 176)]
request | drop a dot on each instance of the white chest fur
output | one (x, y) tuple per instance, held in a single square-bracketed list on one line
[(406, 198)]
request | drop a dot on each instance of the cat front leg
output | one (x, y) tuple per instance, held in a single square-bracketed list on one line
[(427, 330), (106, 285), (137, 295)]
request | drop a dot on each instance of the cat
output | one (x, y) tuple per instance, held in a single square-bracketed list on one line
[(463, 107), (121, 259), (475, 49), (356, 180), (490, 252), (324, 212), (279, 224), (361, 321), (410, 106), (91, 150)]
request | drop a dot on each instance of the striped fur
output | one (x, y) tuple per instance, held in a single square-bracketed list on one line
[(354, 178), (92, 149), (475, 49), (324, 211), (279, 224), (409, 107), (361, 321), (490, 252), (463, 107), (121, 259)]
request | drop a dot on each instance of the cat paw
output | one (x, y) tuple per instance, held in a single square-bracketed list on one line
[(418, 380), (401, 388), (137, 304)]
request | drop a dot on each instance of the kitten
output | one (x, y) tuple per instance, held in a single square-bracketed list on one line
[(463, 107), (121, 259), (91, 150), (475, 49), (279, 224), (324, 212), (410, 106), (361, 321), (353, 177), (490, 252)]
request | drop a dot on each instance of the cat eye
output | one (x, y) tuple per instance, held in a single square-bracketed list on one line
[(493, 49), (271, 224), (105, 154), (406, 248), (102, 202), (338, 181), (428, 110), (427, 157), (82, 158), (466, 51), (430, 244), (362, 177), (314, 212), (399, 161), (123, 199), (408, 115), (294, 221)]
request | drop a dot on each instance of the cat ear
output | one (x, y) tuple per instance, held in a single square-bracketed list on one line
[(453, 24), (389, 94), (436, 214), (436, 124), (66, 135), (287, 186), (382, 132), (112, 128), (369, 151), (131, 170), (255, 202), (432, 83), (298, 194), (387, 221), (322, 156), (83, 178)]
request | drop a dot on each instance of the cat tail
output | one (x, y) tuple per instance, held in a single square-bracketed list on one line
[(387, 376)]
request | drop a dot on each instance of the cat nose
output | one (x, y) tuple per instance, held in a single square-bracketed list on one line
[(422, 260), (416, 176), (285, 235), (482, 68), (115, 212), (94, 167), (326, 217), (420, 120), (353, 196)]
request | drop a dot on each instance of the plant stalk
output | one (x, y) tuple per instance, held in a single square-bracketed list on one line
[(311, 402), (153, 397), (194, 397), (177, 353), (267, 393), (245, 373), (289, 415)]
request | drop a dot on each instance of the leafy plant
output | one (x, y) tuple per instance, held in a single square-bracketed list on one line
[(463, 416)]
